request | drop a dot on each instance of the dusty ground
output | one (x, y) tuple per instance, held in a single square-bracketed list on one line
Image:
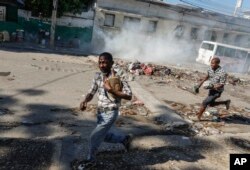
[(179, 98), (38, 108)]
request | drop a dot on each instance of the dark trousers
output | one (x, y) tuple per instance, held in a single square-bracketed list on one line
[(212, 96)]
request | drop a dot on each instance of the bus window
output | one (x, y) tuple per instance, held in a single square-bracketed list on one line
[(241, 54), (229, 52), (207, 46), (220, 51), (247, 64)]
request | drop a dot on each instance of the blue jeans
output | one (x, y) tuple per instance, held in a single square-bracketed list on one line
[(105, 121)]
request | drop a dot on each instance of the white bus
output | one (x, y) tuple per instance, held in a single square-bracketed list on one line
[(233, 58)]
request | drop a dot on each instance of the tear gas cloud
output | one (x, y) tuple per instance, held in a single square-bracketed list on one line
[(133, 42)]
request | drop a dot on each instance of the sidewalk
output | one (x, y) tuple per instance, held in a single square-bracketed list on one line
[(31, 47)]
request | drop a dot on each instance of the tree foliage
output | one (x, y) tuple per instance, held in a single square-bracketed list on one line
[(45, 6)]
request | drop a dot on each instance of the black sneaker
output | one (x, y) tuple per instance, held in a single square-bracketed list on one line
[(228, 104), (86, 164), (127, 141), (74, 164)]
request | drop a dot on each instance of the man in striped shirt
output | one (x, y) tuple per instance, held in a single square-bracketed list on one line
[(107, 110), (217, 79)]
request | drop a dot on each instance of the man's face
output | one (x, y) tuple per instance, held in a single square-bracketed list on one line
[(105, 65), (214, 64)]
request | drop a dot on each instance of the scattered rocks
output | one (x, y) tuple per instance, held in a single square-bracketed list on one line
[(211, 131), (25, 154), (237, 81)]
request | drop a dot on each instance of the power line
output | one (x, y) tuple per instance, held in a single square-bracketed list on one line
[(215, 3), (221, 21), (207, 8), (225, 22)]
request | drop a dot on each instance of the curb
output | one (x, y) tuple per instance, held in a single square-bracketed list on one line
[(160, 111)]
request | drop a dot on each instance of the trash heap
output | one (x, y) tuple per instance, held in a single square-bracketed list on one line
[(127, 69), (131, 70)]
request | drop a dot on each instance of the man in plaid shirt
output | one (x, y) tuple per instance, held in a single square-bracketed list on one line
[(107, 110), (217, 79)]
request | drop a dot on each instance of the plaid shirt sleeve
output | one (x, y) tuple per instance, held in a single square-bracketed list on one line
[(223, 78), (94, 87), (126, 88)]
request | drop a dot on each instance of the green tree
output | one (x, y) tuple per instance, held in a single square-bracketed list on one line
[(45, 6)]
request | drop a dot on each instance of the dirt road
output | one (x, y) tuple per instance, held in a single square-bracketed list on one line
[(38, 114)]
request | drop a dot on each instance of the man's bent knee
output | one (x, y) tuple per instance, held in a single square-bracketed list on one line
[(205, 103)]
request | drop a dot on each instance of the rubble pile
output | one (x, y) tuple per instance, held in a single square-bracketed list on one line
[(130, 70), (237, 81), (137, 68)]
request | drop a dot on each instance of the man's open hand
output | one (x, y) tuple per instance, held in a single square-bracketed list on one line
[(83, 106)]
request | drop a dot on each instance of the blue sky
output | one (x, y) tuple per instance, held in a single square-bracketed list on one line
[(225, 6)]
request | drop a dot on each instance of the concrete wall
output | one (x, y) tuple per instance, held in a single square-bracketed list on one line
[(69, 27), (82, 20)]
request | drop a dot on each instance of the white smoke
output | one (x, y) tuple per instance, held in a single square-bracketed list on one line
[(133, 42)]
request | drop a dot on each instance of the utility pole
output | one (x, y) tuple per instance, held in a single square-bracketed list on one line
[(53, 23), (237, 7)]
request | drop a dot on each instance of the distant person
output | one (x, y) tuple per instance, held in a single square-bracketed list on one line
[(109, 100), (214, 81)]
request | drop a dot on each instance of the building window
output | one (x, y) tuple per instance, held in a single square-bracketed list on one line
[(152, 25), (109, 20), (210, 36), (2, 13), (238, 40), (194, 33), (179, 31), (131, 21), (207, 35), (213, 36), (226, 38)]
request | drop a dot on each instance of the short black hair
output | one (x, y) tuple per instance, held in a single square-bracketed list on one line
[(217, 60), (107, 56)]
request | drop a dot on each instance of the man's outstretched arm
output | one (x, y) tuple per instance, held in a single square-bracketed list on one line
[(203, 80), (89, 96), (83, 104)]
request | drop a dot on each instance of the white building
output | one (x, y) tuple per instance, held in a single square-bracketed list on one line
[(158, 19)]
